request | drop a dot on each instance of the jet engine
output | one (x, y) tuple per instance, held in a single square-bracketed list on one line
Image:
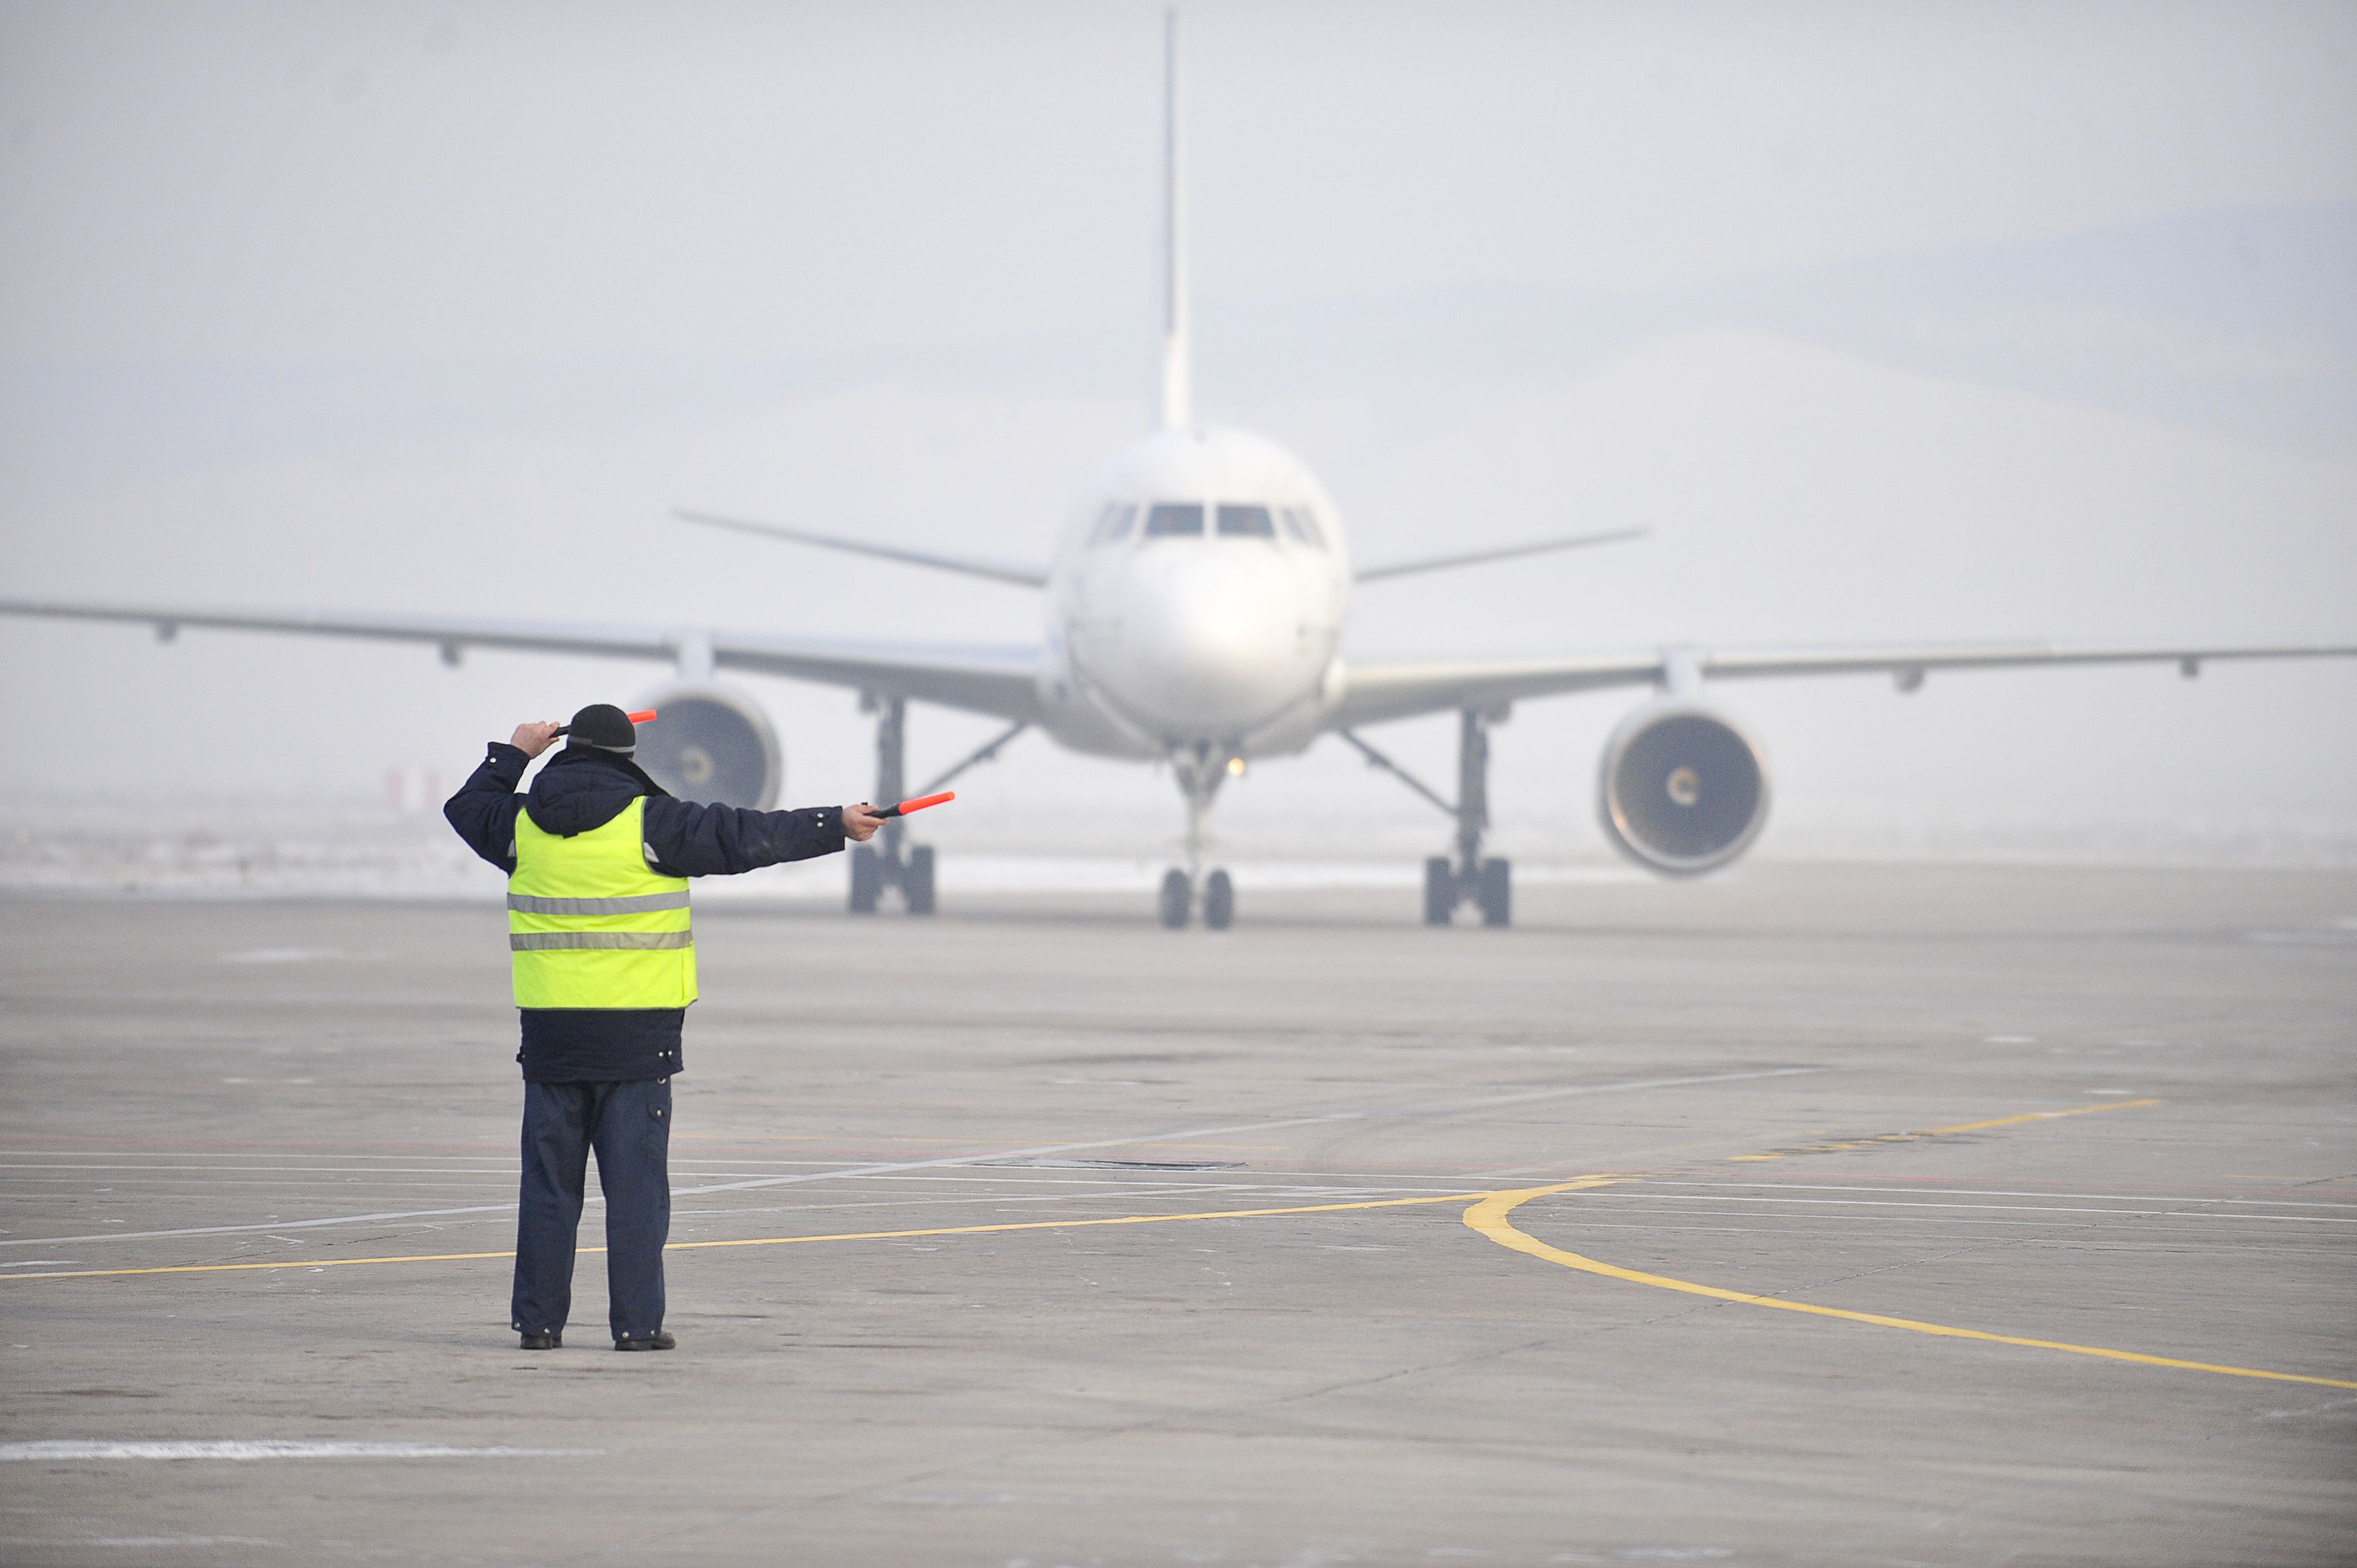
[(711, 744), (1682, 791)]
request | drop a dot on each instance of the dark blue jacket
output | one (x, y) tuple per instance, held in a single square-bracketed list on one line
[(582, 789)]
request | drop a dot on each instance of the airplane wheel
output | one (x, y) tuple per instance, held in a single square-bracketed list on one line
[(1439, 891), (1175, 896), (1496, 892), (1219, 901), (866, 880), (918, 885)]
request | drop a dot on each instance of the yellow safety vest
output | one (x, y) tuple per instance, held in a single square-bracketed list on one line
[(590, 926)]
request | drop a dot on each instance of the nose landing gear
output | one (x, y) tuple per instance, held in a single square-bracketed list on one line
[(1219, 901), (1177, 901), (1200, 776)]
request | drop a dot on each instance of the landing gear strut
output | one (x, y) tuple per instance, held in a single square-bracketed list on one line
[(1487, 884), (890, 861), (1201, 773)]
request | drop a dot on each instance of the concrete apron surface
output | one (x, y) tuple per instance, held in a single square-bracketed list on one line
[(1810, 1215)]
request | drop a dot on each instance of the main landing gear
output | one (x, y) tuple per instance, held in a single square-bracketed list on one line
[(1487, 884), (889, 861), (1184, 892)]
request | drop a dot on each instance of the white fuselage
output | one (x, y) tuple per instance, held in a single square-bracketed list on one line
[(1197, 603)]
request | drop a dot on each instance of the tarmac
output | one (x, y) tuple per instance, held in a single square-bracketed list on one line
[(1809, 1215)]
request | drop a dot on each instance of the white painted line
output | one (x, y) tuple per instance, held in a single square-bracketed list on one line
[(1627, 1088), (946, 1161), (238, 1152), (113, 1182), (239, 1175), (1007, 1200), (943, 1162), (1197, 1181), (154, 1542), (268, 1225), (712, 1218), (1621, 1088), (58, 1451), (507, 1169), (834, 1174)]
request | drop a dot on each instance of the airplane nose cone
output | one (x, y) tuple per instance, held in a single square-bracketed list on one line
[(1210, 641)]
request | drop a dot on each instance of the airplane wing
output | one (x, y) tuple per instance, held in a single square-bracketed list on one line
[(1401, 689), (997, 680), (1506, 553), (1020, 572)]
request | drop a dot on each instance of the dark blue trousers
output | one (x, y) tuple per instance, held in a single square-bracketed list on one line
[(630, 1126)]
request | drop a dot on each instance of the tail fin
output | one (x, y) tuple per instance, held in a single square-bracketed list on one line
[(1178, 378)]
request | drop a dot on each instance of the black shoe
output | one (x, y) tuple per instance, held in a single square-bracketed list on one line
[(552, 1340), (658, 1340)]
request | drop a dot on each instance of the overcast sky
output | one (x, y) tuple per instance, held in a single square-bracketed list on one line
[(1895, 321)]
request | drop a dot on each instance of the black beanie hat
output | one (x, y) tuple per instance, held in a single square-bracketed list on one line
[(605, 726)]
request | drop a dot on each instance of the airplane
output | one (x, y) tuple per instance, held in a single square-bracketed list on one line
[(1195, 609)]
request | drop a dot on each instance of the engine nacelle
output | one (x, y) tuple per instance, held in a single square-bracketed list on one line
[(711, 744), (1682, 791)]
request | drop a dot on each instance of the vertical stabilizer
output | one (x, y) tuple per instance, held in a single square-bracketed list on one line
[(1178, 377)]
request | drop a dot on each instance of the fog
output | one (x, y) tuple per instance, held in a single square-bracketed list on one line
[(1954, 322)]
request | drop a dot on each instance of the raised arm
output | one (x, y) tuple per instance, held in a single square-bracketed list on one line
[(484, 809)]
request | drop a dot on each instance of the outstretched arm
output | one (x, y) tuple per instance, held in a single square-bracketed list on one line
[(687, 840)]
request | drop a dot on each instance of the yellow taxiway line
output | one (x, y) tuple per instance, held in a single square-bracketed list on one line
[(796, 1241), (1947, 1131), (1489, 1217)]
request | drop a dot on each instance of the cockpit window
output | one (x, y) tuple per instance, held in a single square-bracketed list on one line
[(1175, 517), (1113, 524), (1248, 521), (1300, 522)]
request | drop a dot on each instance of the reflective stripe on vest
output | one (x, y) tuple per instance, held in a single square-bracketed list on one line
[(590, 926), (531, 906), (550, 941)]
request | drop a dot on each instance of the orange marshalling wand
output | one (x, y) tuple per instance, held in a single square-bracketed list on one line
[(643, 716), (905, 807)]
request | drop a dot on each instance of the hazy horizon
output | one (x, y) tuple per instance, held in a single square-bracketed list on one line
[(1978, 322)]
